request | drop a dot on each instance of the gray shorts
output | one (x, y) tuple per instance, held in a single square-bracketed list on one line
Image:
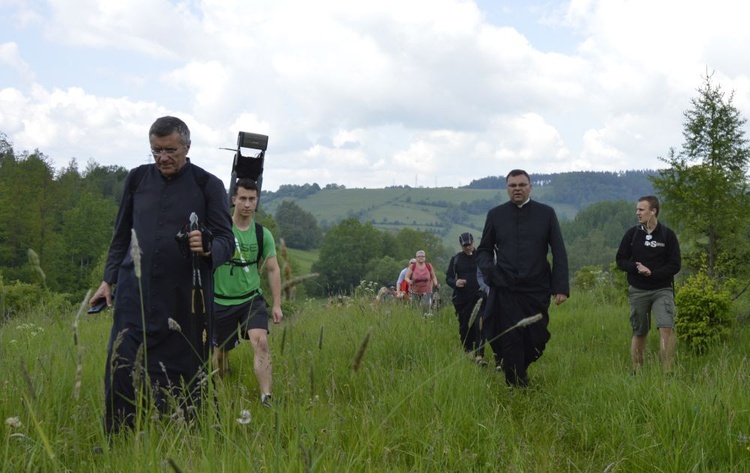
[(233, 321), (644, 302)]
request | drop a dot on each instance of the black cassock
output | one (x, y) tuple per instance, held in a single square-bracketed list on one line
[(512, 256), (157, 208)]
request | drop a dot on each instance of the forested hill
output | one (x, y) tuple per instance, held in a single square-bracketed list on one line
[(584, 188), (568, 192)]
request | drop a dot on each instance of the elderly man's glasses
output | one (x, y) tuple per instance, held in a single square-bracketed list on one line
[(169, 152)]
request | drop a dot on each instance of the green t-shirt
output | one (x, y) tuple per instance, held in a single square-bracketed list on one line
[(235, 280)]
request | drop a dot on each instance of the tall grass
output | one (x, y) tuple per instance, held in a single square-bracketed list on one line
[(415, 402)]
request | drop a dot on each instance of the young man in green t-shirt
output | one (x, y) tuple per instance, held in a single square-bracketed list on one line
[(239, 306)]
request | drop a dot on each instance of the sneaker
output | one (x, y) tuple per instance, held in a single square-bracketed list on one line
[(265, 399), (480, 361)]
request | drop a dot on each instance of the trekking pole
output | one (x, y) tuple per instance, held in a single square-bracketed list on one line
[(199, 305)]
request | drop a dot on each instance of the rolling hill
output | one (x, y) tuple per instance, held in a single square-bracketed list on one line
[(448, 211)]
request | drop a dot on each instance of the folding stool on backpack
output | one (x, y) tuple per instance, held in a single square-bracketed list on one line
[(248, 166)]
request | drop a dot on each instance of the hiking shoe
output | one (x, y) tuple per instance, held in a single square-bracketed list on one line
[(265, 399)]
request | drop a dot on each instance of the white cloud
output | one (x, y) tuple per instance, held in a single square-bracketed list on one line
[(367, 93)]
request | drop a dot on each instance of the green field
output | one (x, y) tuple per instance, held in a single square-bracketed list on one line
[(393, 209), (366, 388)]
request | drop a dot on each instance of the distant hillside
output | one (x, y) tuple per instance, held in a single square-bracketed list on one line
[(448, 211)]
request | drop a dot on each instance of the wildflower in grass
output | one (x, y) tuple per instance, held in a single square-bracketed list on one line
[(135, 252), (245, 417), (36, 266), (178, 416), (173, 325), (361, 351), (13, 422)]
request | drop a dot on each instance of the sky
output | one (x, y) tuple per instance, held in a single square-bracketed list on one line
[(424, 93)]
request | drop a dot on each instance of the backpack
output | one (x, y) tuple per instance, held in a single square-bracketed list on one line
[(259, 238), (429, 268), (201, 177)]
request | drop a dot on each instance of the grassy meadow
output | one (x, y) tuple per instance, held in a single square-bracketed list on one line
[(408, 400)]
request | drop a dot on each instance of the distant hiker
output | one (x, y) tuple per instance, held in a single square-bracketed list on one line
[(241, 310), (422, 279), (512, 255), (462, 277), (158, 334), (385, 295), (650, 255), (403, 288)]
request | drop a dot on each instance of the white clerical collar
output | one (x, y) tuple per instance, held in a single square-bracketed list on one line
[(525, 202)]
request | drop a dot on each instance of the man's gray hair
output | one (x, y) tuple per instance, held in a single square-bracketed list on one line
[(165, 126)]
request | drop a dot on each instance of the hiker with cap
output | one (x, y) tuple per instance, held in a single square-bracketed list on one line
[(462, 277), (422, 279)]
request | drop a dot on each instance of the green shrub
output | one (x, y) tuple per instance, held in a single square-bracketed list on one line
[(703, 312), (22, 297), (606, 286)]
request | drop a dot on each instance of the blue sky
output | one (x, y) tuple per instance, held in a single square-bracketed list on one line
[(367, 94)]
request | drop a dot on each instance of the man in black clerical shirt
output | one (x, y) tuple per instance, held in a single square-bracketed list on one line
[(512, 256), (158, 339)]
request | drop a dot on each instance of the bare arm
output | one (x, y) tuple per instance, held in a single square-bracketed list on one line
[(274, 280)]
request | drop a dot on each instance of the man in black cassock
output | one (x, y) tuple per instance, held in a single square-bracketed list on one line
[(158, 340), (512, 257)]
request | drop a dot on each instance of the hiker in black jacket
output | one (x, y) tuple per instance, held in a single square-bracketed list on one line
[(650, 254), (462, 277)]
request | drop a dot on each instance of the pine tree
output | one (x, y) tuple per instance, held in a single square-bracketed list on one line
[(705, 187)]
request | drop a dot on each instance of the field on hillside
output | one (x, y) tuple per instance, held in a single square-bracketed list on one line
[(304, 259), (360, 387), (392, 209)]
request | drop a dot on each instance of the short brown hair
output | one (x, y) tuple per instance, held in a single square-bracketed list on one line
[(653, 202)]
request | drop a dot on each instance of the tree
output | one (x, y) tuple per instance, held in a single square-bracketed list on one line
[(706, 184), (297, 227), (409, 241), (344, 254), (383, 271)]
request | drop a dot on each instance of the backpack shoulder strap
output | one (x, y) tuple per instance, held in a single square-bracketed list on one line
[(201, 177), (138, 174), (199, 174), (634, 229), (259, 238)]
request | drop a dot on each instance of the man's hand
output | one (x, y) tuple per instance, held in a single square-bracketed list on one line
[(642, 270), (277, 314), (196, 243), (460, 282), (105, 291), (559, 298)]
